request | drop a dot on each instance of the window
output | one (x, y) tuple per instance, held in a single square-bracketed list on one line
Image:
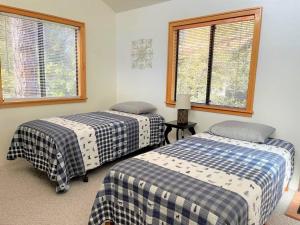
[(214, 59), (42, 59)]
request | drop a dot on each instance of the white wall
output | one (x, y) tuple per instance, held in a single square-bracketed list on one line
[(277, 96), (101, 74)]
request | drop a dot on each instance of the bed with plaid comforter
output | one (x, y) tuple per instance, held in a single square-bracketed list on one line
[(203, 179), (68, 146)]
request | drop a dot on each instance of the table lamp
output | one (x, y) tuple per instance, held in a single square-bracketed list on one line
[(183, 104)]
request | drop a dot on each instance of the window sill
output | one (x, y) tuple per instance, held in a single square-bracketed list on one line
[(218, 109), (41, 102)]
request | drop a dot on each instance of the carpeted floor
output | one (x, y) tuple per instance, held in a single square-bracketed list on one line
[(278, 217), (27, 197)]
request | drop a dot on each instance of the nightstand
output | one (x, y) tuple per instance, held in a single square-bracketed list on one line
[(173, 124)]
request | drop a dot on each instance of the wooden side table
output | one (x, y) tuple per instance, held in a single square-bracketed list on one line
[(173, 124)]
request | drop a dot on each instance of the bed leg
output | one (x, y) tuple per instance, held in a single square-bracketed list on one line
[(85, 178)]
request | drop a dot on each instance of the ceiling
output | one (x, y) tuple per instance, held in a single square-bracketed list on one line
[(125, 5)]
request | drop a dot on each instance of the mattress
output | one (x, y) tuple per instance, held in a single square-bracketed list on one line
[(203, 179), (68, 146)]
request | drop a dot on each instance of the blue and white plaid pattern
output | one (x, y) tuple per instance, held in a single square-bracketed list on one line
[(55, 150), (156, 125), (246, 163), (202, 202)]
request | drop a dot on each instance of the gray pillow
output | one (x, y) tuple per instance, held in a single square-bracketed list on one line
[(134, 107), (252, 132)]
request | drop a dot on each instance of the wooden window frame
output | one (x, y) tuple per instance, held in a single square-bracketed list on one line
[(82, 97), (221, 18)]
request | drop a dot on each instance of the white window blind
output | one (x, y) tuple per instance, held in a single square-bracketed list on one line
[(213, 63), (38, 58), (192, 65), (231, 64)]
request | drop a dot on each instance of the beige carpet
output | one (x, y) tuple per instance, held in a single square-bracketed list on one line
[(282, 220), (27, 197)]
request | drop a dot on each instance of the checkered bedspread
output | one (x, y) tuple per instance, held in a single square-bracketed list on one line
[(203, 179), (68, 146)]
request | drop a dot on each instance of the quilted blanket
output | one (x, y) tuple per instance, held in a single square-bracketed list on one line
[(68, 146), (203, 179)]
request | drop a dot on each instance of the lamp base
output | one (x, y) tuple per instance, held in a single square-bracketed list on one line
[(182, 116)]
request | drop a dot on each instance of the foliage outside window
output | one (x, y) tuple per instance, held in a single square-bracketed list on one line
[(214, 59), (42, 59)]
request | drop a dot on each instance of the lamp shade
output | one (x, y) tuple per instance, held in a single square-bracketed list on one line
[(183, 101)]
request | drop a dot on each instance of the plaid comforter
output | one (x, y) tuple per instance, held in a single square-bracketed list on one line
[(68, 146), (203, 179)]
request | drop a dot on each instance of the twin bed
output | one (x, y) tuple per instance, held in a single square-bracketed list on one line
[(69, 146), (203, 179)]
